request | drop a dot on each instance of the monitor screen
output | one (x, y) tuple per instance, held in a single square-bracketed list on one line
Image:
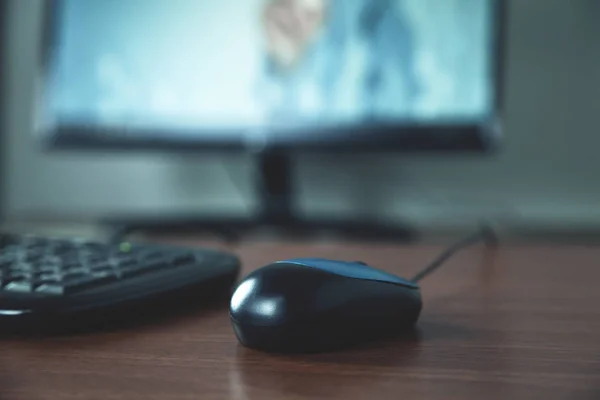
[(213, 70)]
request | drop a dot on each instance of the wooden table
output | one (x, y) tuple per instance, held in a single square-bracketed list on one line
[(516, 322)]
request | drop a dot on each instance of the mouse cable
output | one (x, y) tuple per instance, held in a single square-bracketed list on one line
[(486, 234)]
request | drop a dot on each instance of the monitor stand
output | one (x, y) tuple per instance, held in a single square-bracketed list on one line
[(277, 213)]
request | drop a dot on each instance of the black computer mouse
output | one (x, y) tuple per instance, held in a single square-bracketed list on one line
[(316, 305)]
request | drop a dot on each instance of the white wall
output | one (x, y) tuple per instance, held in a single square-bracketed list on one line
[(552, 123)]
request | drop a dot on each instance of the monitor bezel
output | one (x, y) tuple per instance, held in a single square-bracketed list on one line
[(477, 136)]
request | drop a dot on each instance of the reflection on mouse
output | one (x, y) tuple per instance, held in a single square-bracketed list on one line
[(313, 305)]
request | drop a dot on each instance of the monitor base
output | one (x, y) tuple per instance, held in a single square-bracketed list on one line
[(235, 229), (277, 213)]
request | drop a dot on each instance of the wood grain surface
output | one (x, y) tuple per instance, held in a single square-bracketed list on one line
[(511, 323)]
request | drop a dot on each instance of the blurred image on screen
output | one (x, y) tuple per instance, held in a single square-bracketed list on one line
[(259, 63)]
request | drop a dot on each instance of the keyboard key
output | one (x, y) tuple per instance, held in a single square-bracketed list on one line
[(49, 268), (66, 288), (22, 267), (70, 266), (126, 262), (80, 270), (49, 278), (19, 286), (74, 284), (78, 284), (52, 259), (50, 288), (34, 256), (102, 277), (103, 266), (96, 260), (16, 275), (61, 248), (75, 276)]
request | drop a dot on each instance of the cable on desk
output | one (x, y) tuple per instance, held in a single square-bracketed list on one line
[(486, 235)]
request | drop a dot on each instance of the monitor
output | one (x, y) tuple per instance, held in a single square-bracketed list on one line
[(295, 74), (272, 77)]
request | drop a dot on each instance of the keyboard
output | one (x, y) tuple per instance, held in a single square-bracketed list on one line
[(43, 276)]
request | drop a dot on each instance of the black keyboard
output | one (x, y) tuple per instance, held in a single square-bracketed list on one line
[(41, 276)]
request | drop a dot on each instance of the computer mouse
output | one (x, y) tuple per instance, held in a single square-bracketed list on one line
[(316, 305)]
